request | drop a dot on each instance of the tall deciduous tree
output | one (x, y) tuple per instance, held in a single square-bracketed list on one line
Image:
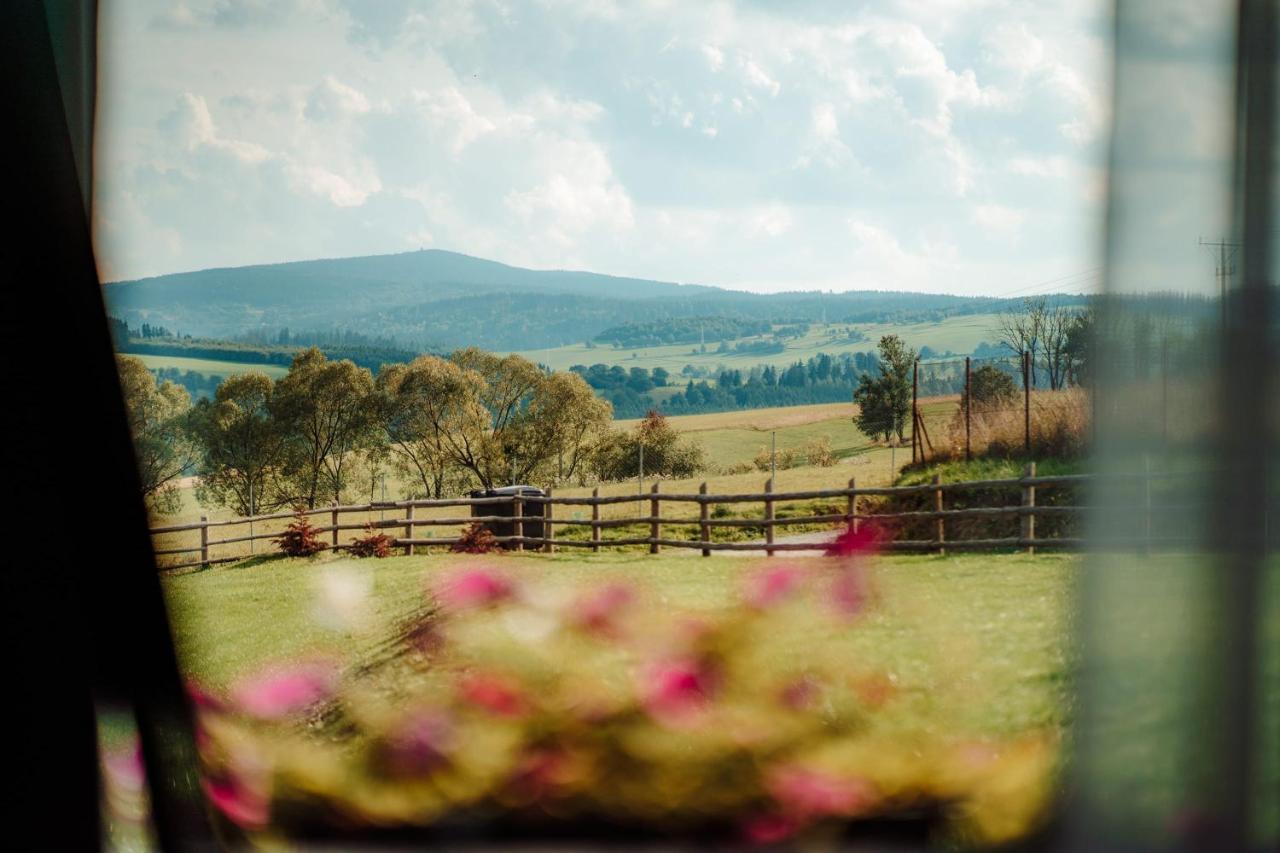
[(884, 401), (533, 416), (158, 423), (1021, 331), (327, 408), (244, 446), (431, 415)]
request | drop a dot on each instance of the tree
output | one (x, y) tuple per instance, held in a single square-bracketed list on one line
[(1078, 346), (1056, 325), (875, 414), (989, 387), (885, 401), (243, 446), (1020, 331), (162, 443), (428, 411), (616, 456), (326, 408)]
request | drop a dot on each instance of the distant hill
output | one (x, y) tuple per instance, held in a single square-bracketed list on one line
[(438, 300)]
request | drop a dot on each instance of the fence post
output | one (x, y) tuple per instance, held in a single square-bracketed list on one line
[(852, 508), (655, 526), (408, 529), (204, 540), (595, 520), (333, 515), (915, 410), (968, 409), (1029, 518), (517, 521), (548, 529), (704, 513), (1026, 402), (941, 523), (768, 517)]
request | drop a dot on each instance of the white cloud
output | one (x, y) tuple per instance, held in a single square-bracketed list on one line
[(333, 98), (999, 219), (714, 57)]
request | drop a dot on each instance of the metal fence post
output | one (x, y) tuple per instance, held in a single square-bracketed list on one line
[(968, 410)]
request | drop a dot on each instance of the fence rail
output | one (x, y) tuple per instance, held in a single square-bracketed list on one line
[(513, 517)]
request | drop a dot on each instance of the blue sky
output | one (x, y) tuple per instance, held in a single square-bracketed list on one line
[(937, 145)]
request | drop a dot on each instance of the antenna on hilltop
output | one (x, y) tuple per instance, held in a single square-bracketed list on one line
[(1224, 266)]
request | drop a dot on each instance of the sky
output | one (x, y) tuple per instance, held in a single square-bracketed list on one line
[(951, 146)]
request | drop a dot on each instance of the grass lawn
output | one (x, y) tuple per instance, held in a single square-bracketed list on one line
[(975, 645)]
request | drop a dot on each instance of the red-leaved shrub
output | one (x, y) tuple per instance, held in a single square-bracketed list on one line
[(476, 539), (301, 538), (371, 544)]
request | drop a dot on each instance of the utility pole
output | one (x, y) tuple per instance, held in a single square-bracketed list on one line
[(1224, 267)]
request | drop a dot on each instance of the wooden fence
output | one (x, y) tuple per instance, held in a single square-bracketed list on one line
[(517, 512)]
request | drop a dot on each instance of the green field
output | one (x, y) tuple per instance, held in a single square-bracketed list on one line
[(208, 367), (957, 334), (977, 642)]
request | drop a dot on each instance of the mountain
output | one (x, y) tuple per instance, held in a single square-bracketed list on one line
[(434, 299)]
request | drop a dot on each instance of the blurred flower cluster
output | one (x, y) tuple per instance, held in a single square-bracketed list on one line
[(544, 708)]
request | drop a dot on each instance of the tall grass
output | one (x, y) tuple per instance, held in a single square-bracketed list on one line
[(1060, 427)]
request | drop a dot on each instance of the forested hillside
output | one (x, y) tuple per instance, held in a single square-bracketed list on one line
[(438, 301)]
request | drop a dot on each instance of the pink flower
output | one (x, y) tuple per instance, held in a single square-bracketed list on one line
[(275, 694), (203, 700), (475, 588), (807, 794), (853, 543), (245, 805), (766, 829), (800, 694), (418, 744), (540, 772), (675, 692), (495, 694), (849, 590), (597, 611), (767, 588)]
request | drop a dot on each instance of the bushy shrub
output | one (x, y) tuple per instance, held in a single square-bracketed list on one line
[(300, 538), (371, 544), (818, 452), (476, 539), (764, 459), (616, 456)]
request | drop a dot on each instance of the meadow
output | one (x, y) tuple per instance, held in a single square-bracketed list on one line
[(209, 367), (957, 334), (976, 644)]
